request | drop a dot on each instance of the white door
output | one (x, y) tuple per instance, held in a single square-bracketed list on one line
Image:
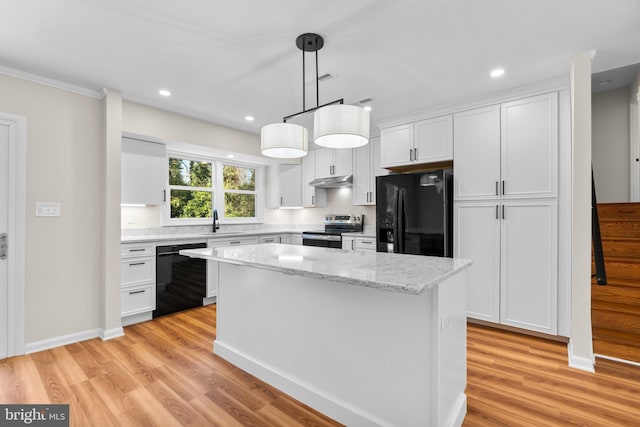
[(396, 144), (361, 175), (324, 162), (4, 228), (308, 175), (476, 153), (434, 139), (342, 161), (529, 276), (290, 186), (530, 147), (477, 237)]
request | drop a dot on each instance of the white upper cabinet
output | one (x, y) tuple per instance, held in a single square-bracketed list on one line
[(476, 159), (507, 151), (284, 186), (311, 196), (144, 171), (333, 162), (396, 145), (290, 185), (530, 147), (434, 140), (366, 166), (426, 141)]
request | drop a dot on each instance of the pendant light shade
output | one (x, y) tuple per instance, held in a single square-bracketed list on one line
[(284, 140), (341, 126)]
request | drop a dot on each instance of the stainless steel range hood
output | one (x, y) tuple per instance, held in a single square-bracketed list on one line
[(333, 182)]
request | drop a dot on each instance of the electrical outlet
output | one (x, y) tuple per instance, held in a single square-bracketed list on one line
[(48, 209)]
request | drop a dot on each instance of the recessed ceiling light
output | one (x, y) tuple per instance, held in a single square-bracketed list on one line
[(249, 118), (164, 92), (498, 72), (367, 108), (231, 156)]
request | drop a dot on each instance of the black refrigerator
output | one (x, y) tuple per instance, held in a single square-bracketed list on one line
[(414, 213)]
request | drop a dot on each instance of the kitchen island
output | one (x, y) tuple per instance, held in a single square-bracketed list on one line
[(366, 338)]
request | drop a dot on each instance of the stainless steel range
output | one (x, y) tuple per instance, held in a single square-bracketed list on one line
[(334, 227)]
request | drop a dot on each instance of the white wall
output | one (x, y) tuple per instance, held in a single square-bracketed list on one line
[(64, 164), (148, 121), (339, 201), (610, 144)]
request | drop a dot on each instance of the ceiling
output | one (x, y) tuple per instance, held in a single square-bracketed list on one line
[(224, 60)]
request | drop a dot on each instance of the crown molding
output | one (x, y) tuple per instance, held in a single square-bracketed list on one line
[(557, 84), (51, 82)]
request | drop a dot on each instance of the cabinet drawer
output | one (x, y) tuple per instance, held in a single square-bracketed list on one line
[(269, 239), (137, 270), (137, 250), (366, 243), (215, 243), (137, 299)]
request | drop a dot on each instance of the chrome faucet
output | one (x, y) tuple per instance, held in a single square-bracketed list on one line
[(215, 218)]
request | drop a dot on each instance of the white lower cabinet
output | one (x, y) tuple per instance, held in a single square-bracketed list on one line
[(353, 243), (212, 266), (275, 238), (138, 282), (514, 276), (296, 239)]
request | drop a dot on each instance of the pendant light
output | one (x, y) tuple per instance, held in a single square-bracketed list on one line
[(341, 126), (335, 125)]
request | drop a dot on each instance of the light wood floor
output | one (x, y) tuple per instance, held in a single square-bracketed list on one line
[(163, 373)]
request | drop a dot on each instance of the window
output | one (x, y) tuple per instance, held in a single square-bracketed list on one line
[(197, 184), (190, 189), (239, 191)]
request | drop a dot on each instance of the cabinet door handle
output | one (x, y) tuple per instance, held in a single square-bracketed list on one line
[(497, 212), (410, 154), (415, 154), (503, 212), (136, 250), (503, 188), (313, 200), (280, 200), (164, 195), (497, 188), (136, 292), (132, 264), (234, 243), (366, 242)]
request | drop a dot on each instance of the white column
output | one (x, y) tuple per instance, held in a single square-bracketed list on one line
[(580, 344)]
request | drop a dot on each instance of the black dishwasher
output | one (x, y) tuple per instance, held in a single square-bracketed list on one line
[(181, 282)]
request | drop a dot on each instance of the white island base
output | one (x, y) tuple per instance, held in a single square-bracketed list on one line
[(360, 355)]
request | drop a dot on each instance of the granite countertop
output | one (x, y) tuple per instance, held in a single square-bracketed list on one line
[(410, 274), (143, 238)]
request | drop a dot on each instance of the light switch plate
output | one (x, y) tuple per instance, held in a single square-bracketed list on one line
[(48, 209)]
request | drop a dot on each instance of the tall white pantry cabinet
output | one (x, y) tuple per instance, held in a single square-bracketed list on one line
[(506, 210)]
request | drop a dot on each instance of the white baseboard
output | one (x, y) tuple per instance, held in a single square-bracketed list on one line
[(615, 359), (460, 411), (137, 318), (111, 333), (579, 362), (209, 300), (329, 405), (49, 343)]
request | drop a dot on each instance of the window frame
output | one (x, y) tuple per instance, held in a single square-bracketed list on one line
[(259, 192), (217, 191)]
